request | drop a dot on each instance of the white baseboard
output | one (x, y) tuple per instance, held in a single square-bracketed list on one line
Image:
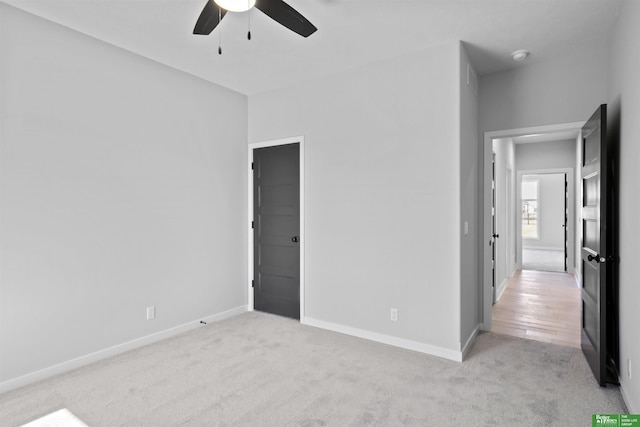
[(544, 248), (630, 408), (472, 338), (81, 361), (433, 350), (501, 288)]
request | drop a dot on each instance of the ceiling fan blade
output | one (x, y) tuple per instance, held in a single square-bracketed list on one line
[(209, 18), (284, 14)]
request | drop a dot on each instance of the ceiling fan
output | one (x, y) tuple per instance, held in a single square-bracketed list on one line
[(278, 10)]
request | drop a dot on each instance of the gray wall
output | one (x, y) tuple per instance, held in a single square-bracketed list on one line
[(624, 109), (546, 155), (382, 192), (469, 198), (123, 186), (564, 90)]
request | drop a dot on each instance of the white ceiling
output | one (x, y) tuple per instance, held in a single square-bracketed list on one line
[(350, 33)]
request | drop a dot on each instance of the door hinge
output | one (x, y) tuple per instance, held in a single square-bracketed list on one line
[(253, 224), (253, 283), (251, 165)]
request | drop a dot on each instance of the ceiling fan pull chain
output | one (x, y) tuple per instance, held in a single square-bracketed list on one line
[(249, 17), (219, 32)]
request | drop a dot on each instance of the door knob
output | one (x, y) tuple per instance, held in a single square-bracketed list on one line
[(596, 258), (294, 239)]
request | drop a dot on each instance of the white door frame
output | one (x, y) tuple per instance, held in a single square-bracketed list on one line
[(485, 250), (272, 143)]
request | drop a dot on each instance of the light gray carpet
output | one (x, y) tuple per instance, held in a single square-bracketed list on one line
[(262, 370), (542, 260)]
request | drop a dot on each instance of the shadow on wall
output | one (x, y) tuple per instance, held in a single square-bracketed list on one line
[(613, 136)]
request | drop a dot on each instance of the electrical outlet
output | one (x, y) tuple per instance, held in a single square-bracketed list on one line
[(151, 312), (629, 368), (394, 315)]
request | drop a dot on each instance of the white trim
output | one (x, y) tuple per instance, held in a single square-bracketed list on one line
[(81, 361), (486, 290), (627, 402), (272, 143), (500, 289), (510, 220), (512, 133), (543, 248), (472, 339), (432, 350)]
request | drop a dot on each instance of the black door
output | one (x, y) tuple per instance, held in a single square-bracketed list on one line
[(276, 230), (494, 235), (599, 321), (566, 219)]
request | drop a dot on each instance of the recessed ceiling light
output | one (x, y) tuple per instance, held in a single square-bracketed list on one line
[(520, 55)]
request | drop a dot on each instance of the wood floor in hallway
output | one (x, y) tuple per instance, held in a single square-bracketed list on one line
[(541, 306)]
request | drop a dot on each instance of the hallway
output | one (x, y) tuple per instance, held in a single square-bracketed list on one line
[(541, 306)]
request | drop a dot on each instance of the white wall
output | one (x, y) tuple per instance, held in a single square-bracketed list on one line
[(382, 147), (469, 197), (123, 186), (624, 126)]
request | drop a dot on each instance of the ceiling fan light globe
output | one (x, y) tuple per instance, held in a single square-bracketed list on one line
[(236, 5)]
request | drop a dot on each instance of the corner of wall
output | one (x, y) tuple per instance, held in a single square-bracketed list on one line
[(87, 359), (469, 187)]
